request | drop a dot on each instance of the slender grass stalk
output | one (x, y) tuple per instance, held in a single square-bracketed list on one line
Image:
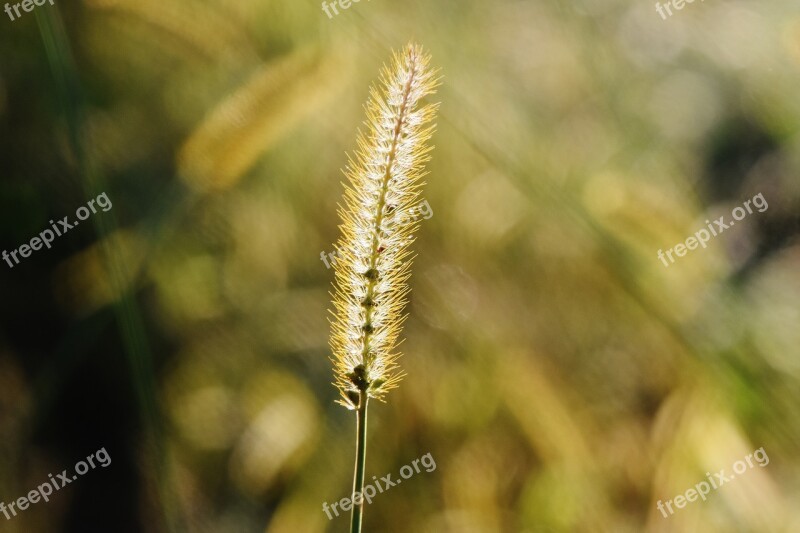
[(361, 459), (60, 56), (374, 263)]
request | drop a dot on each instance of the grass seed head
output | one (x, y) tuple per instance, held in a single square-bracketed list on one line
[(374, 265)]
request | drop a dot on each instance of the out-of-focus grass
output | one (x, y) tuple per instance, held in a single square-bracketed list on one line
[(562, 378)]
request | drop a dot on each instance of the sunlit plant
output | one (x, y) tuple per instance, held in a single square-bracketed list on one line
[(374, 261)]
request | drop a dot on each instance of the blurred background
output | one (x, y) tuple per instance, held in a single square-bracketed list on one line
[(562, 378)]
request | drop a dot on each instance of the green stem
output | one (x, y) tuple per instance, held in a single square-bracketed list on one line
[(361, 459)]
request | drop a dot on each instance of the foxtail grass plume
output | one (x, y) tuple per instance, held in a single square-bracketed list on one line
[(374, 260)]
